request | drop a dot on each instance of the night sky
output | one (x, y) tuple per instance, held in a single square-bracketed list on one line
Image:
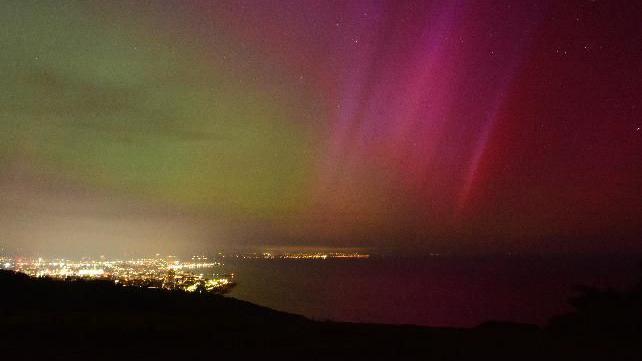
[(403, 126)]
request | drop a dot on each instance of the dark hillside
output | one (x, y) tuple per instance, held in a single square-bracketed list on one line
[(97, 320)]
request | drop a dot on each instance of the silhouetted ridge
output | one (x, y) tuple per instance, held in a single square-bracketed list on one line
[(605, 320), (98, 320)]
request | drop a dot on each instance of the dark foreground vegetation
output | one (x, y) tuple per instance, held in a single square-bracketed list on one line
[(82, 320)]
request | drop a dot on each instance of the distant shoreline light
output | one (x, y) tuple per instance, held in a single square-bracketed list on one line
[(302, 255)]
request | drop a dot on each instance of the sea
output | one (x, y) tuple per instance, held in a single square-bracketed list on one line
[(451, 291)]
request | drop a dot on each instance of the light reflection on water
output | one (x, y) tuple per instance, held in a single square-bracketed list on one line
[(430, 291)]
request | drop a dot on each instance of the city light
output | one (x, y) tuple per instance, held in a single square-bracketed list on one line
[(169, 273)]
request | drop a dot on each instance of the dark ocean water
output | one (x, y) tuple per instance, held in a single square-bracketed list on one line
[(432, 291)]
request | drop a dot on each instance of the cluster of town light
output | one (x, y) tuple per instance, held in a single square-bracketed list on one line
[(166, 273)]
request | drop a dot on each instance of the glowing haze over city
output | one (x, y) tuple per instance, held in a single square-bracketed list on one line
[(436, 126)]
